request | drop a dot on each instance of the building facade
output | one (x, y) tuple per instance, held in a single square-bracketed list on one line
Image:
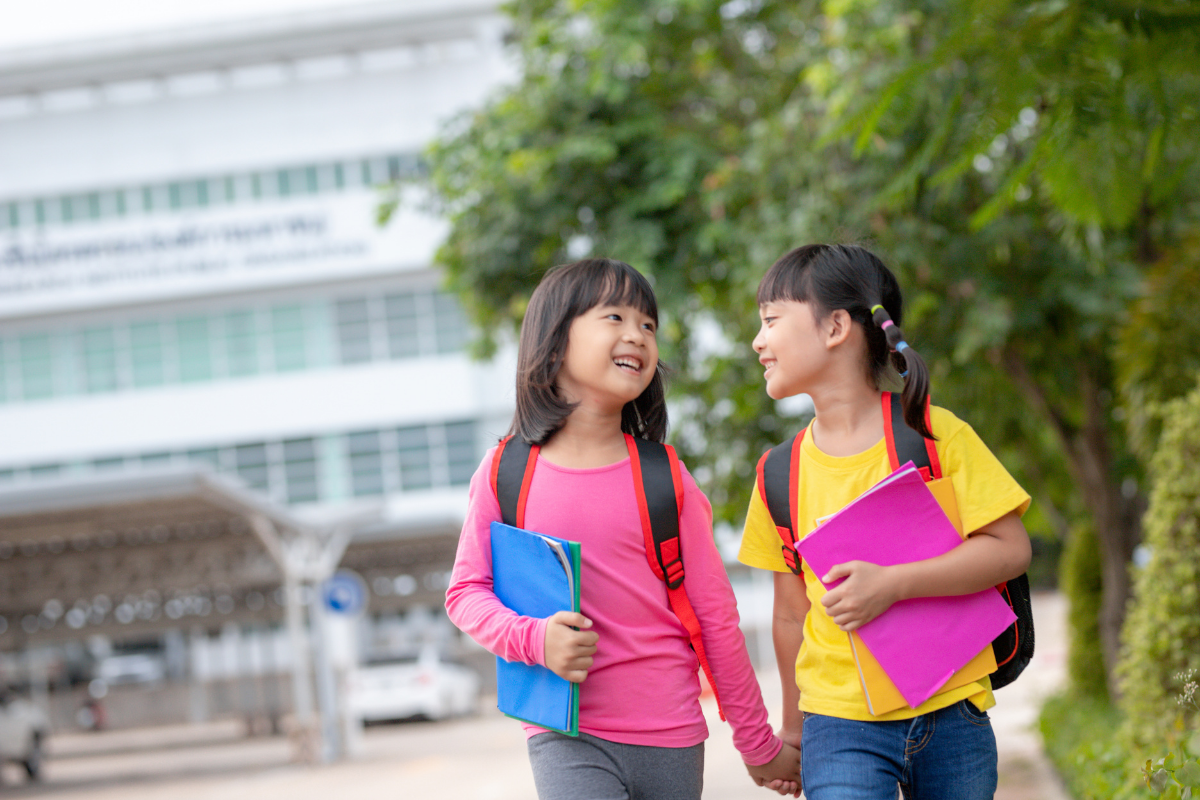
[(191, 273)]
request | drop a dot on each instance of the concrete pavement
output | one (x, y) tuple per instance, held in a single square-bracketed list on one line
[(482, 757)]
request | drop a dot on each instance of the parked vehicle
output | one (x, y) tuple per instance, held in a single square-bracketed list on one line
[(421, 687), (23, 730)]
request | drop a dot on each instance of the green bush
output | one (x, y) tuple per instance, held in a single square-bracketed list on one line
[(1083, 741), (1082, 584), (1161, 636)]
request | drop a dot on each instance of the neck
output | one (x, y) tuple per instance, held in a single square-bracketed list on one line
[(848, 416), (588, 438)]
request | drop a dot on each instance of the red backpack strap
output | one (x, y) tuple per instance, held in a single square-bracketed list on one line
[(904, 444), (778, 481), (512, 472), (658, 485)]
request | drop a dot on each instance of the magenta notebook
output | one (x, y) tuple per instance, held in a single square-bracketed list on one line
[(920, 642)]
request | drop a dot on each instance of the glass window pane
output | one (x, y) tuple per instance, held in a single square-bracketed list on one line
[(287, 328), (3, 375), (460, 452), (45, 470), (300, 470), (451, 324), (206, 455), (37, 368), (250, 461), (354, 331), (195, 351), (154, 460), (241, 344), (99, 360), (366, 463), (146, 354), (415, 469), (402, 325), (113, 464)]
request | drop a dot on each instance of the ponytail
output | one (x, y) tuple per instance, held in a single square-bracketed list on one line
[(915, 374)]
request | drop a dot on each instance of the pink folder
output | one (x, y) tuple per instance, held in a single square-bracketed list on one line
[(920, 642)]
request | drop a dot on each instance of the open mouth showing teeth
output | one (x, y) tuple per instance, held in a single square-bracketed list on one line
[(628, 363)]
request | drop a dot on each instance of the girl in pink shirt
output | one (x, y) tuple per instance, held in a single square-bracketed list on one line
[(587, 374)]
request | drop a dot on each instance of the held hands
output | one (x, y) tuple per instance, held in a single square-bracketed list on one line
[(781, 773), (568, 651), (867, 592)]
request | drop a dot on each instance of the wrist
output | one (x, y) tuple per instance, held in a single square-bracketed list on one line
[(902, 582)]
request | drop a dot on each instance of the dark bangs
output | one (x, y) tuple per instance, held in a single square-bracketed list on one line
[(606, 282), (789, 278)]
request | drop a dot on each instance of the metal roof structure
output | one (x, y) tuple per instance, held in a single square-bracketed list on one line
[(134, 554)]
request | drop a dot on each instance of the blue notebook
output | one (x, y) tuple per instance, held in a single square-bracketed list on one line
[(536, 576)]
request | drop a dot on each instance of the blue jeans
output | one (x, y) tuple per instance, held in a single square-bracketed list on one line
[(949, 754)]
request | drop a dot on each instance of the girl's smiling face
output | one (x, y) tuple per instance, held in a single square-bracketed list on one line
[(612, 355), (790, 345)]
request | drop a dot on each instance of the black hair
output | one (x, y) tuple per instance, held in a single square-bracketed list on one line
[(834, 277), (566, 292)]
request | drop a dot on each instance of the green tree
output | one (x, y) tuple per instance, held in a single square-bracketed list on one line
[(1087, 109), (981, 148)]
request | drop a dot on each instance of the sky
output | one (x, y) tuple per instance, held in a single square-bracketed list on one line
[(45, 22)]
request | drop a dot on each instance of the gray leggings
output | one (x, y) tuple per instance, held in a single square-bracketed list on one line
[(588, 768)]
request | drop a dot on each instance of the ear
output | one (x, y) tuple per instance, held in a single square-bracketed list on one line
[(838, 326)]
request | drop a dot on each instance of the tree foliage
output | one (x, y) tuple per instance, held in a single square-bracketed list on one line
[(1020, 164), (1162, 633)]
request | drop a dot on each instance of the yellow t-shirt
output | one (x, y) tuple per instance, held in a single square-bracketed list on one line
[(825, 670)]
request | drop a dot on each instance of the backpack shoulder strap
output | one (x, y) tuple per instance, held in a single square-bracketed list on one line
[(512, 471), (658, 484), (780, 493), (904, 444)]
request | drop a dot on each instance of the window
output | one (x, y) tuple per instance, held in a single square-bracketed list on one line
[(461, 459), (300, 470), (354, 331), (287, 328), (206, 455), (366, 463), (241, 344), (146, 354), (403, 329), (99, 360), (45, 470), (3, 375), (195, 354), (450, 323), (415, 469), (37, 368), (112, 464), (250, 463)]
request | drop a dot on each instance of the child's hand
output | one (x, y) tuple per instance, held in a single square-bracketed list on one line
[(781, 773), (868, 591), (568, 651)]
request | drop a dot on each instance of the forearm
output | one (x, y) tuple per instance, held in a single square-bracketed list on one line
[(997, 553), (787, 632)]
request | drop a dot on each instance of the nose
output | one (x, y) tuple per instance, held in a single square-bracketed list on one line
[(760, 341), (635, 334)]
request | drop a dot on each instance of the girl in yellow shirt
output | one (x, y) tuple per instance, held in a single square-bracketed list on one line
[(830, 329)]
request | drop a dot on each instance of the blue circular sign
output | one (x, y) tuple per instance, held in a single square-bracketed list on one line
[(345, 593)]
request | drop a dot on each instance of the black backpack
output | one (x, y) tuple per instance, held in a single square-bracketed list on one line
[(778, 480)]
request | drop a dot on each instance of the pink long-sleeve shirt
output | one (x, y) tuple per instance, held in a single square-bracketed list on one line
[(643, 686)]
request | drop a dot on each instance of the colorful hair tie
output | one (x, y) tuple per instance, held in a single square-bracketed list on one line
[(901, 347), (875, 307), (904, 374), (887, 323)]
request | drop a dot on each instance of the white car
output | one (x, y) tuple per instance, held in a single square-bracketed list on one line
[(23, 730), (424, 687)]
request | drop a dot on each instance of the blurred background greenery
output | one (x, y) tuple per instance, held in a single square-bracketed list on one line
[(1029, 170)]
